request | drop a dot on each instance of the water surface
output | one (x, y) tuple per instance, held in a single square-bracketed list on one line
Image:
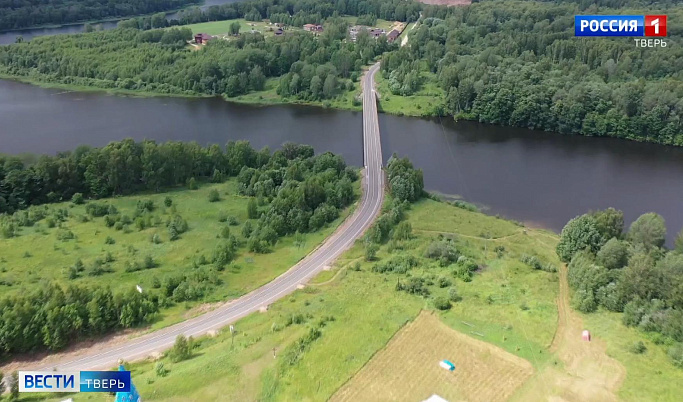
[(537, 177)]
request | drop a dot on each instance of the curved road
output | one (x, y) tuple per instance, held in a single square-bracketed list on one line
[(335, 245)]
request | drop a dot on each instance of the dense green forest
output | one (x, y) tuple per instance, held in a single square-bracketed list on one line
[(292, 190), (157, 61), (518, 63), (627, 272), (27, 13)]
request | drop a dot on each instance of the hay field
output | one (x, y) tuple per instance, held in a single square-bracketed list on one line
[(407, 369)]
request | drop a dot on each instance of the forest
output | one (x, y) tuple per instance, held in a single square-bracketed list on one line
[(30, 13), (518, 63), (158, 61), (627, 271), (292, 191)]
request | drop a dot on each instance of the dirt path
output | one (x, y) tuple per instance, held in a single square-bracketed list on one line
[(588, 373)]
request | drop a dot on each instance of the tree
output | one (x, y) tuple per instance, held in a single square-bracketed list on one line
[(77, 199), (610, 223), (182, 349), (257, 80), (371, 251), (649, 230), (578, 234), (235, 28), (442, 303), (614, 254), (678, 244), (252, 209)]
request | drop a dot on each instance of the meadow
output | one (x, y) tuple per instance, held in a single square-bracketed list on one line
[(47, 251), (356, 314)]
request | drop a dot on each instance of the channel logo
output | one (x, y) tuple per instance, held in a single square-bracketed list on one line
[(78, 381), (620, 25)]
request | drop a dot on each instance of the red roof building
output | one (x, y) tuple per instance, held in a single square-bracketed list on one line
[(202, 38)]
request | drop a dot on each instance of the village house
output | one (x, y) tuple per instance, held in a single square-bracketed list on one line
[(313, 27), (202, 38), (392, 35), (373, 32)]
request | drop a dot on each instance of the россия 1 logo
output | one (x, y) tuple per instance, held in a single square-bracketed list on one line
[(623, 25)]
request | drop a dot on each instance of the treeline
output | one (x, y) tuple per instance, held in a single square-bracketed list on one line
[(28, 13), (629, 272), (518, 63), (299, 12), (292, 190), (52, 317), (157, 61)]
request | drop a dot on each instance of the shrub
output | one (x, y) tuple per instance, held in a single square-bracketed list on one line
[(168, 201), (444, 250), (676, 354), (192, 183), (214, 196), (149, 262), (252, 209), (443, 282), (109, 240), (182, 349), (156, 239), (638, 348), (371, 251), (453, 294), (232, 221), (442, 303), (77, 199), (222, 216), (65, 234), (159, 369), (118, 225)]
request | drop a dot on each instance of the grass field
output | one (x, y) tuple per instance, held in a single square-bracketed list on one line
[(508, 309), (222, 28), (24, 266), (407, 369), (422, 103)]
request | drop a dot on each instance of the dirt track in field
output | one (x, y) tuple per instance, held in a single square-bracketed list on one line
[(585, 374)]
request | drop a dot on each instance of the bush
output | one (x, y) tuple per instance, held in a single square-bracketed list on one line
[(109, 240), (232, 221), (156, 239), (168, 201), (222, 216), (442, 303), (149, 262), (77, 199), (225, 232), (453, 294), (182, 349), (159, 369), (443, 282), (638, 348), (676, 354), (214, 196), (371, 251), (444, 250), (192, 183)]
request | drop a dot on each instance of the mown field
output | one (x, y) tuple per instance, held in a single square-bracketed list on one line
[(43, 254), (356, 315)]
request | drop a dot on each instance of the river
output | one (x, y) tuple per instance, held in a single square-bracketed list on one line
[(8, 37), (540, 178)]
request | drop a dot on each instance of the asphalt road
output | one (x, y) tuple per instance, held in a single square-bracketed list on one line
[(366, 212)]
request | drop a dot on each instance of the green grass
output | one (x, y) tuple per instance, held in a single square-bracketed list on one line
[(368, 311), (269, 96), (649, 376), (221, 28), (422, 103), (25, 266)]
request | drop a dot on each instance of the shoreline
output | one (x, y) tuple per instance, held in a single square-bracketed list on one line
[(95, 22)]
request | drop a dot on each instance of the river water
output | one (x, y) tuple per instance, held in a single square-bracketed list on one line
[(536, 177), (8, 37)]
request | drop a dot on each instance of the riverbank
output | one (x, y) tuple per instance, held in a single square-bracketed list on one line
[(100, 21)]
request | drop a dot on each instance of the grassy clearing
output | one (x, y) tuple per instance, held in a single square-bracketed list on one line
[(407, 369), (650, 376), (24, 266), (422, 103), (222, 28), (507, 304)]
